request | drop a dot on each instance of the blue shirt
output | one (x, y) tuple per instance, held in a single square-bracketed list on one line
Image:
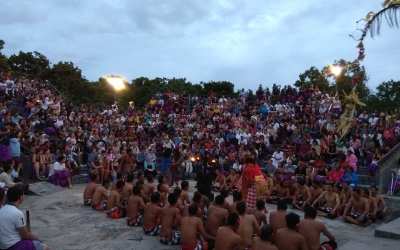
[(165, 163)]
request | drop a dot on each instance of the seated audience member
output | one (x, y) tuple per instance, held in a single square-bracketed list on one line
[(351, 177), (248, 225), (169, 215), (151, 217), (288, 238), (2, 197), (264, 241), (227, 238), (332, 203), (379, 201), (100, 196), (336, 174), (311, 229), (13, 232), (59, 174), (89, 190), (6, 178), (114, 208), (359, 214), (191, 227), (134, 211)]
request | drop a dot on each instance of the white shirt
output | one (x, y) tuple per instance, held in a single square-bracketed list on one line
[(278, 157), (56, 166), (11, 220), (373, 120)]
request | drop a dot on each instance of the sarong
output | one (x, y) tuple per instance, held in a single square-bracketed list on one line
[(114, 213), (173, 238), (197, 246), (327, 210), (135, 221), (124, 203), (252, 197), (153, 230), (101, 206), (167, 175), (87, 202)]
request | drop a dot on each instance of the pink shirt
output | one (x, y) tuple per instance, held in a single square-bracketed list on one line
[(355, 144), (352, 161)]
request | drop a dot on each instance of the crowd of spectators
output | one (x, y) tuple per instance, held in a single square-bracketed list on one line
[(284, 124)]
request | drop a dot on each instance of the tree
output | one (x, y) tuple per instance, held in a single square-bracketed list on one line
[(30, 64), (387, 95), (4, 67), (315, 77)]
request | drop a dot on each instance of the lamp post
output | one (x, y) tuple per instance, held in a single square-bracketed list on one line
[(117, 82), (336, 70)]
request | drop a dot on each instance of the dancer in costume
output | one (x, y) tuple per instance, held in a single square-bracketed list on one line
[(253, 184)]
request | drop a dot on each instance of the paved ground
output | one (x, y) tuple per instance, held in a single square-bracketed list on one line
[(59, 218)]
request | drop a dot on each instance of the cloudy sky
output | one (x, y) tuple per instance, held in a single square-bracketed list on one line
[(245, 42)]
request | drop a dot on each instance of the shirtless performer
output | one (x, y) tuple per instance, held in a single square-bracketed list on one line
[(163, 181), (148, 188), (332, 203), (134, 211), (232, 180), (120, 177), (311, 229), (270, 182), (315, 190), (281, 191), (140, 177), (277, 219), (169, 215), (225, 194), (260, 212), (127, 190), (359, 214), (221, 180), (237, 196), (114, 208), (163, 195), (380, 202), (226, 238), (192, 226), (100, 196), (89, 190), (217, 216), (302, 196), (204, 203), (346, 191), (248, 225), (373, 206), (338, 189), (264, 241), (288, 238), (185, 196), (152, 213), (195, 200), (178, 193)]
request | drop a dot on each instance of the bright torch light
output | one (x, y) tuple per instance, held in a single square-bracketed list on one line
[(336, 70), (116, 81)]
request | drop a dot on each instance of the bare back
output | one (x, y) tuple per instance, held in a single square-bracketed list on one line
[(126, 192), (168, 216), (311, 230), (89, 190), (227, 239), (259, 244), (99, 194), (148, 189), (191, 227), (288, 239), (135, 202), (215, 219), (113, 199), (277, 220), (247, 225), (152, 211)]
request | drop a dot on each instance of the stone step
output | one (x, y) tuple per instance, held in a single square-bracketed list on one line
[(390, 230), (353, 245), (79, 179), (367, 180)]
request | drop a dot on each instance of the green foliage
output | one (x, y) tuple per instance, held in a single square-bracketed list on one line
[(1, 44), (31, 64), (327, 81), (387, 96)]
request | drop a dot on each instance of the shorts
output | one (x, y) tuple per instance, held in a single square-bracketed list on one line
[(174, 238), (153, 230), (301, 203), (272, 199), (197, 246), (328, 210), (101, 206), (124, 203), (114, 213), (355, 216), (135, 221), (87, 202)]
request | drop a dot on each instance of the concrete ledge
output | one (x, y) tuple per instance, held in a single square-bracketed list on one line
[(390, 230), (352, 245), (44, 188)]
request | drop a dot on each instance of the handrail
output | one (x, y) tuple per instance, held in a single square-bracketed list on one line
[(389, 154), (25, 150), (55, 90)]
